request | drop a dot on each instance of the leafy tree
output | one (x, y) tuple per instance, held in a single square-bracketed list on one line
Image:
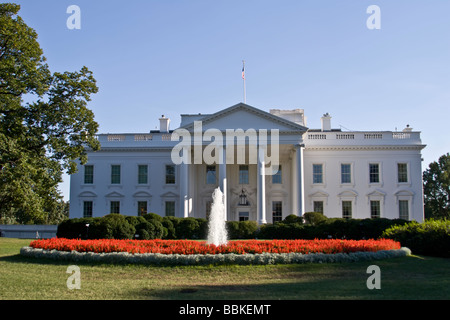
[(45, 136), (436, 183)]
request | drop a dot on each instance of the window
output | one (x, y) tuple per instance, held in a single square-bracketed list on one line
[(375, 209), (87, 209), (402, 172), (374, 172), (243, 174), (403, 208), (318, 206), (276, 177), (346, 209), (88, 174), (115, 207), (115, 174), (142, 174), (277, 213), (244, 215), (346, 173), (170, 209), (142, 208), (211, 175), (317, 173), (170, 174)]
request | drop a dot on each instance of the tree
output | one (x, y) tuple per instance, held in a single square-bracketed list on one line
[(45, 136), (436, 183)]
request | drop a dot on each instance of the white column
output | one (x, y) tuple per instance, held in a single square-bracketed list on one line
[(261, 195), (223, 177), (184, 190), (299, 194)]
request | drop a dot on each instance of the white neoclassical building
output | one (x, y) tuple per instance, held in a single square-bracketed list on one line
[(361, 174)]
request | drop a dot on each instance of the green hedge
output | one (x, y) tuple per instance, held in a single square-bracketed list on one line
[(317, 226), (153, 226), (431, 237)]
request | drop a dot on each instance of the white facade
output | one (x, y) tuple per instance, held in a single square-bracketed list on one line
[(342, 174)]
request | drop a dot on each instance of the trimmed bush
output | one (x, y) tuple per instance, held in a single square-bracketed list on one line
[(117, 227), (432, 237), (314, 218), (242, 229)]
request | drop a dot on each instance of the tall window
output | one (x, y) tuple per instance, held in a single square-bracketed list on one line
[(277, 211), (115, 207), (402, 172), (142, 208), (142, 174), (87, 209), (170, 209), (170, 174), (243, 174), (318, 206), (346, 173), (374, 172), (88, 174), (317, 173), (211, 175), (403, 209), (115, 174), (346, 209), (375, 209), (276, 177)]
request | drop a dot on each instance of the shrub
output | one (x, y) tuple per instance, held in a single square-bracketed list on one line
[(432, 237), (292, 218), (188, 228), (168, 223), (117, 227), (151, 229), (314, 218), (241, 229)]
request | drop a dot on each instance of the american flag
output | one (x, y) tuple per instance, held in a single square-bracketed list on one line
[(243, 72)]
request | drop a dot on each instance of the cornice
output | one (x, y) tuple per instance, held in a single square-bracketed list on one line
[(367, 147)]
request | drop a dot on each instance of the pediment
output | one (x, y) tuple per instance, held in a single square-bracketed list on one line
[(376, 193), (243, 116), (87, 194), (169, 194), (319, 194), (348, 193), (114, 194), (142, 194), (404, 193)]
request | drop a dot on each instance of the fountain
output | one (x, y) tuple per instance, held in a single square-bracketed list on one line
[(217, 232)]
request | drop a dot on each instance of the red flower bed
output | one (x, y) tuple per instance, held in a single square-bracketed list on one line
[(200, 247)]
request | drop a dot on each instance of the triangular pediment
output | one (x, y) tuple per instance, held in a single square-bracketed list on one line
[(114, 194), (243, 116)]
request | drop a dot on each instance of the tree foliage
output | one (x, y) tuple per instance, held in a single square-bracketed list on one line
[(45, 125), (436, 183)]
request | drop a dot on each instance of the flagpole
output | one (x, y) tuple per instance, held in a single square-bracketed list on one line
[(243, 78)]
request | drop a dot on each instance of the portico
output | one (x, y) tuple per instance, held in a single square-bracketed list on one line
[(257, 169)]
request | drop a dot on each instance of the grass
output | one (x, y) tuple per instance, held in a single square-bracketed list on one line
[(414, 277)]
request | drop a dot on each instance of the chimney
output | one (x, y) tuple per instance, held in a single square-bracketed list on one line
[(164, 124), (326, 122)]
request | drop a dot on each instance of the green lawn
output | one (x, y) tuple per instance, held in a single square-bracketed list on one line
[(411, 277)]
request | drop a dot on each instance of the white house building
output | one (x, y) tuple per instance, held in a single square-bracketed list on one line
[(341, 174)]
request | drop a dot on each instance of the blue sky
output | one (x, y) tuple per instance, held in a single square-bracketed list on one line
[(171, 57)]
